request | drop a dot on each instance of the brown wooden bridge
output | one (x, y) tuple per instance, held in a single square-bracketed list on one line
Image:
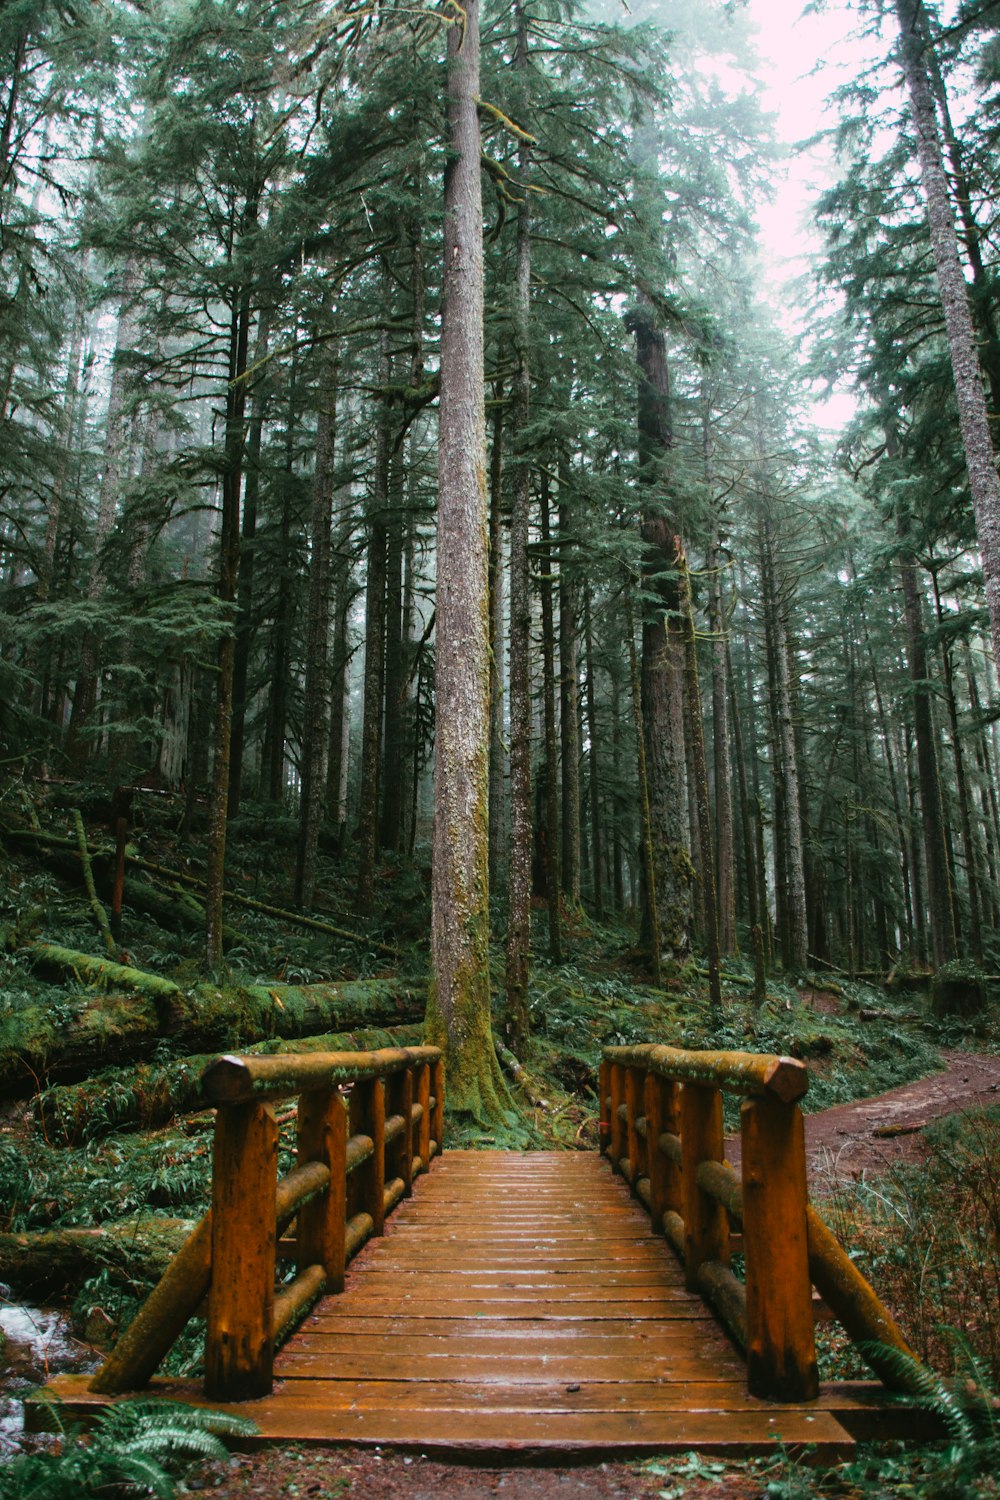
[(521, 1303)]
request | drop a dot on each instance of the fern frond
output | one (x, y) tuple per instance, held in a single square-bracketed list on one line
[(928, 1390)]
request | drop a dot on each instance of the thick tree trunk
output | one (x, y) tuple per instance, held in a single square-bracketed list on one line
[(459, 1004), (274, 781), (662, 679), (966, 370)]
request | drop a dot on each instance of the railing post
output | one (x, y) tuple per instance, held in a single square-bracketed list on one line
[(321, 1221), (239, 1343), (634, 1099), (604, 1107), (424, 1128), (706, 1224), (402, 1104), (437, 1089), (661, 1109), (617, 1091), (368, 1118), (781, 1348)]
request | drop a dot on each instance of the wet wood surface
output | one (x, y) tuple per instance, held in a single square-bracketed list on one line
[(522, 1303), (519, 1306)]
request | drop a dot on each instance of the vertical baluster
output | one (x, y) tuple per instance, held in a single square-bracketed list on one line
[(661, 1109), (424, 1128), (781, 1348), (368, 1118), (403, 1105), (437, 1088), (706, 1223), (323, 1137), (633, 1109), (617, 1142), (239, 1347), (604, 1106)]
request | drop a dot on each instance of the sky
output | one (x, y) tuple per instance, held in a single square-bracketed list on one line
[(803, 59)]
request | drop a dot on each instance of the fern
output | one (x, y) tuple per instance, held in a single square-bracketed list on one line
[(130, 1451), (927, 1389)]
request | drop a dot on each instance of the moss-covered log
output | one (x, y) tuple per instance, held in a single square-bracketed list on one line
[(52, 1262), (150, 1095), (103, 1027)]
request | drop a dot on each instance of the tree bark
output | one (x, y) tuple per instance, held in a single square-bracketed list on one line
[(229, 562), (315, 708), (966, 370), (661, 676), (459, 1002), (518, 958)]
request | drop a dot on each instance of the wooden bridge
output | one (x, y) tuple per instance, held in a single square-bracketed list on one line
[(521, 1303)]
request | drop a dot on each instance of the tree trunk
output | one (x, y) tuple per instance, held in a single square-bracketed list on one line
[(549, 821), (700, 782), (972, 414), (518, 957), (248, 560), (596, 842), (498, 814), (459, 1002), (375, 629), (315, 708), (229, 562), (795, 956), (661, 677), (569, 705), (937, 869)]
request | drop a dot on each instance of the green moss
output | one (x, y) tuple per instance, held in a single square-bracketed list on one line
[(958, 989)]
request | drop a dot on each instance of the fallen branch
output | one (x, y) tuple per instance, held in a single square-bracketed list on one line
[(100, 915), (520, 1076)]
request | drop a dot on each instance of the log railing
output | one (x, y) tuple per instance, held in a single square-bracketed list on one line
[(661, 1126), (368, 1123)]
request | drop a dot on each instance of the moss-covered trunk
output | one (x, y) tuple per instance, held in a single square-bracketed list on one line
[(459, 1007)]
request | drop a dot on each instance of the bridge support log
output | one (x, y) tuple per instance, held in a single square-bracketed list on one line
[(239, 1344), (781, 1348), (662, 1115)]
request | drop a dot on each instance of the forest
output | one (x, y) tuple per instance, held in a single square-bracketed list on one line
[(435, 608)]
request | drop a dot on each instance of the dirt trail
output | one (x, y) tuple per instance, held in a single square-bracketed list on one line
[(872, 1135)]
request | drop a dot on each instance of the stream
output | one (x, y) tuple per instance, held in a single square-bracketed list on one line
[(37, 1343)]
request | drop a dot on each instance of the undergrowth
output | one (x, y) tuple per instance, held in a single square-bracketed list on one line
[(135, 1448)]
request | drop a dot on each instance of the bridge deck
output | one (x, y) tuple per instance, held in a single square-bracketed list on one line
[(520, 1304)]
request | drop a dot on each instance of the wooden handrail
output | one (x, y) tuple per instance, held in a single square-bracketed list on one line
[(671, 1154), (355, 1164)]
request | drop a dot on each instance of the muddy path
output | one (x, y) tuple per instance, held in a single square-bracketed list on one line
[(875, 1134)]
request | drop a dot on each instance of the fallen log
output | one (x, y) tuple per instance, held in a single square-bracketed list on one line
[(177, 911), (52, 1262), (150, 1095), (103, 1027)]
